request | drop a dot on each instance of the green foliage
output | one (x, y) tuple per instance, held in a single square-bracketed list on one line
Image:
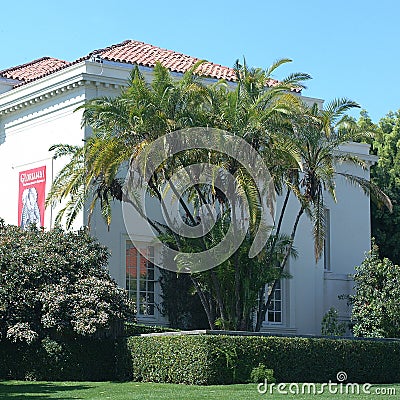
[(168, 359), (376, 305), (54, 284), (262, 374), (386, 174), (72, 358), (199, 359), (330, 326), (180, 303), (246, 277)]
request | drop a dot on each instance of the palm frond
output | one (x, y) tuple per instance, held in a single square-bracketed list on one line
[(319, 226), (276, 64)]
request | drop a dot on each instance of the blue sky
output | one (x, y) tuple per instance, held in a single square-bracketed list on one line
[(351, 48)]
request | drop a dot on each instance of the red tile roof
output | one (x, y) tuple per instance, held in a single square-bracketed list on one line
[(140, 53), (35, 69), (131, 52)]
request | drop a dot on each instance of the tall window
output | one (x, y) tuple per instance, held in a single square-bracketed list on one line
[(327, 241), (274, 314), (140, 278)]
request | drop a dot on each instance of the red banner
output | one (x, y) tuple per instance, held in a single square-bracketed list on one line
[(32, 187)]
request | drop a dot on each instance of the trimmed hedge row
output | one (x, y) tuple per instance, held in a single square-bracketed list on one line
[(201, 359), (77, 359), (219, 359), (71, 358)]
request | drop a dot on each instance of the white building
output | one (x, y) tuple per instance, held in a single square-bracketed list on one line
[(37, 109)]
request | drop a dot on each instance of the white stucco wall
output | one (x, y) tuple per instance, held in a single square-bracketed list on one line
[(26, 138)]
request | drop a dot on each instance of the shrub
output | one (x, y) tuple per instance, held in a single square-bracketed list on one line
[(376, 305), (219, 359), (59, 308), (330, 326), (262, 374), (55, 283), (71, 357), (180, 303), (76, 358)]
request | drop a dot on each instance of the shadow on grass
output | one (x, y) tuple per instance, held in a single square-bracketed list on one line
[(37, 391)]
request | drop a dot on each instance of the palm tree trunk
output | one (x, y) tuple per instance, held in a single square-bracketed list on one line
[(237, 297), (285, 203), (182, 203), (206, 306), (282, 267), (261, 293), (218, 296), (214, 279)]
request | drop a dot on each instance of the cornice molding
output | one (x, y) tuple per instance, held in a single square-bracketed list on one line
[(58, 90), (72, 78)]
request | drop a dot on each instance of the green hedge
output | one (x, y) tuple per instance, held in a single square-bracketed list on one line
[(71, 357), (219, 359), (201, 359), (78, 359)]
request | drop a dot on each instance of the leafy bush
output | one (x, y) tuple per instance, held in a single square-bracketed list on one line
[(376, 305), (262, 374), (56, 283), (219, 359), (386, 174), (330, 326), (60, 311), (75, 358)]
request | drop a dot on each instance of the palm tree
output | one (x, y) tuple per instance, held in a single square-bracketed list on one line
[(254, 110), (317, 137), (124, 126)]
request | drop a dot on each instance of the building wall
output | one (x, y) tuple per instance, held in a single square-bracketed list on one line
[(27, 136)]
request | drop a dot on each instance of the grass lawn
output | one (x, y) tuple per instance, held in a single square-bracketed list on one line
[(14, 390)]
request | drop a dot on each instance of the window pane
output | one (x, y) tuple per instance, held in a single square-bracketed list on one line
[(142, 285), (150, 286), (147, 297), (271, 316), (150, 274), (140, 272), (150, 297), (275, 308)]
